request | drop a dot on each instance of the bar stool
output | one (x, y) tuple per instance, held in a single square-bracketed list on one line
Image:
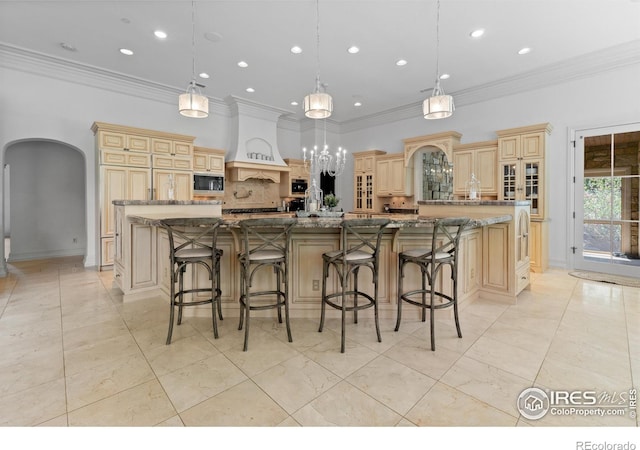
[(265, 244), (359, 247), (444, 251), (192, 242)]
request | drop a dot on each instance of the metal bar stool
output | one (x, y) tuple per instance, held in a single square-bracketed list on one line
[(444, 251), (265, 244), (192, 241), (359, 247)]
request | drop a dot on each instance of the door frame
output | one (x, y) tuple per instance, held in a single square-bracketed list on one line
[(576, 179)]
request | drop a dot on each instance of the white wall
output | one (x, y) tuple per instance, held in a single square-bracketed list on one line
[(52, 107), (605, 99), (47, 193)]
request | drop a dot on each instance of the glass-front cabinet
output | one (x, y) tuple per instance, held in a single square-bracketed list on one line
[(364, 198), (523, 180)]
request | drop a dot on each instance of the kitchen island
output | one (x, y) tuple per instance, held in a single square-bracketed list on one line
[(314, 236)]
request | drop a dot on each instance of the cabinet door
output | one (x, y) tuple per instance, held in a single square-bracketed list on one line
[(532, 185), (181, 148), (383, 185), (532, 145), (138, 144), (369, 194), (462, 168), (369, 164), (359, 192), (486, 163), (508, 180), (522, 239), (110, 140), (358, 164), (162, 146), (138, 184), (183, 184), (397, 177), (114, 187), (200, 161), (509, 147), (216, 163)]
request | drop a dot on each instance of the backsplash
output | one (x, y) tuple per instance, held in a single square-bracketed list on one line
[(251, 194)]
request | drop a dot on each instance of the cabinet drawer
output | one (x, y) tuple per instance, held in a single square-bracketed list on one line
[(522, 277)]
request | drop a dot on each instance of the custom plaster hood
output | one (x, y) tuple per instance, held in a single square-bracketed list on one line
[(254, 150)]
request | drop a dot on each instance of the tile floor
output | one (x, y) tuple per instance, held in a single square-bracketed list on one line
[(73, 354)]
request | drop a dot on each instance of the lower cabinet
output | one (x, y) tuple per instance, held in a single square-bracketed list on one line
[(539, 246)]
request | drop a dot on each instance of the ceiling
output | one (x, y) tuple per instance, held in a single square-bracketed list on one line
[(261, 32)]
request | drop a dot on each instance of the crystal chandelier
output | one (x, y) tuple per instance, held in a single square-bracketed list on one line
[(192, 103), (439, 105), (322, 161), (318, 105)]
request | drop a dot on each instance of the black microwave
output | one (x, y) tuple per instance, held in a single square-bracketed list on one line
[(298, 186), (208, 184)]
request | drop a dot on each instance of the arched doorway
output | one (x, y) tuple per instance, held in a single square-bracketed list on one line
[(45, 200)]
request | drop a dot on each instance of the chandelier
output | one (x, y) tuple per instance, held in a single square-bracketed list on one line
[(439, 105), (322, 161), (318, 105), (192, 103)]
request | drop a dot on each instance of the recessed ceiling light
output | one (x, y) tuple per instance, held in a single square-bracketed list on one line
[(243, 64), (477, 33), (126, 51), (401, 62), (296, 50), (445, 76), (204, 75), (353, 49), (250, 89), (294, 103), (68, 47), (357, 104), (524, 51), (160, 34)]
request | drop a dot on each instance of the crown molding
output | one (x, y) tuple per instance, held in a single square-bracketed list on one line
[(584, 66), (28, 61)]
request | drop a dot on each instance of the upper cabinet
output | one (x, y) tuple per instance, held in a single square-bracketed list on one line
[(117, 140), (392, 177), (521, 169), (364, 164), (481, 159), (171, 147), (208, 160), (297, 177)]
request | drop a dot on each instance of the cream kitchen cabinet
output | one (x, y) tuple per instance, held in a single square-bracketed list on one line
[(182, 180), (208, 160), (118, 183), (115, 140), (392, 177), (297, 172), (132, 163), (481, 159), (172, 147), (364, 180), (523, 176)]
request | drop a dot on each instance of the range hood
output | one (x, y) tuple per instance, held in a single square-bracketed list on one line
[(254, 151)]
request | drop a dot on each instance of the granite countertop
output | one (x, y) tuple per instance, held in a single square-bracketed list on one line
[(166, 202), (232, 221), (476, 202)]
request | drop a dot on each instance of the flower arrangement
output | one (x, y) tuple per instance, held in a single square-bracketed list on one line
[(331, 201)]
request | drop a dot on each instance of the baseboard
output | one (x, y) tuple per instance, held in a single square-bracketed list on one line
[(28, 256)]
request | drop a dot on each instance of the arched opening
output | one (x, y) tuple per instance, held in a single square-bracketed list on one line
[(433, 174), (45, 200)]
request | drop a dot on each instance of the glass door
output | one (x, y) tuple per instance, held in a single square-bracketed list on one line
[(607, 193)]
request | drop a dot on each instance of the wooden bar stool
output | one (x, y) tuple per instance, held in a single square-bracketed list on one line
[(192, 242), (265, 244), (444, 251), (359, 247)]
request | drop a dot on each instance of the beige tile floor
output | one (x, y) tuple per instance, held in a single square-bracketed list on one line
[(73, 354)]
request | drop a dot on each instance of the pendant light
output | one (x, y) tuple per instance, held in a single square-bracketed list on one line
[(192, 103), (439, 105), (318, 105)]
